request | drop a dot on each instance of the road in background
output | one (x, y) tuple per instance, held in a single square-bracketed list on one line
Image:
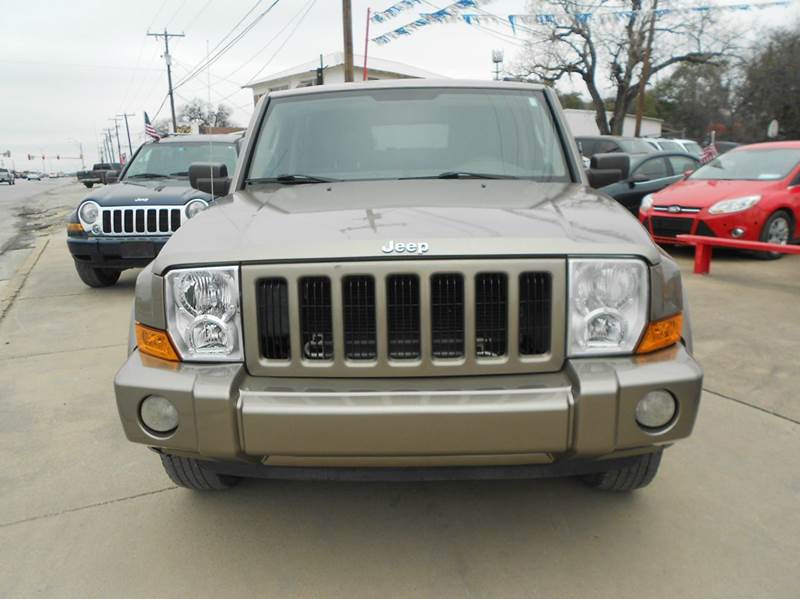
[(28, 210)]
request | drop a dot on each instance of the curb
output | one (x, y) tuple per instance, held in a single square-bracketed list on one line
[(16, 282)]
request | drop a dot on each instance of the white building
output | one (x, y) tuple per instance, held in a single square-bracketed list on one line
[(305, 75), (581, 122)]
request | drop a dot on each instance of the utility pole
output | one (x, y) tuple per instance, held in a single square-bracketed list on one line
[(116, 132), (347, 28), (168, 59), (645, 70), (125, 116), (109, 144), (366, 45)]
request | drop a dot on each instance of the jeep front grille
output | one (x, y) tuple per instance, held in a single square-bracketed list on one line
[(133, 220), (420, 318)]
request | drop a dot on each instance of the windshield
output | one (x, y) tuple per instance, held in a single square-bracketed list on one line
[(756, 165), (693, 148), (161, 160), (409, 133), (671, 146), (636, 146)]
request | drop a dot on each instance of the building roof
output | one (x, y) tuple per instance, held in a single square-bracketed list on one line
[(335, 59), (406, 84)]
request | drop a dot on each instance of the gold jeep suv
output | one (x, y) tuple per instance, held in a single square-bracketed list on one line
[(409, 280)]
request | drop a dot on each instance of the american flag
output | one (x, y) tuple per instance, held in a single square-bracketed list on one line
[(709, 153), (149, 129)]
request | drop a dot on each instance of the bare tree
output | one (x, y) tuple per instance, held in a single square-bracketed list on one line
[(200, 112), (605, 46)]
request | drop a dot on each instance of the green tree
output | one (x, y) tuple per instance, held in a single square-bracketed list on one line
[(771, 87)]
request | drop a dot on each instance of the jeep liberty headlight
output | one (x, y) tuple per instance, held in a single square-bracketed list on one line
[(88, 213), (203, 313), (608, 305), (194, 207)]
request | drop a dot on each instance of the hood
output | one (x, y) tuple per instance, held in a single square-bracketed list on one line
[(698, 193), (157, 193), (355, 220)]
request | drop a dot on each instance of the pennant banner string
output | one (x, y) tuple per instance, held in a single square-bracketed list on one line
[(453, 13)]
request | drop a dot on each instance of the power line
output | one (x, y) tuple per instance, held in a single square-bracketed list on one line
[(199, 65), (211, 60), (305, 8), (271, 58)]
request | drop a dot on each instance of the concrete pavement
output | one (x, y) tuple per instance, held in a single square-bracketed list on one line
[(84, 513)]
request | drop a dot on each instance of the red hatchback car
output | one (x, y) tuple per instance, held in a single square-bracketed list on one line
[(751, 193)]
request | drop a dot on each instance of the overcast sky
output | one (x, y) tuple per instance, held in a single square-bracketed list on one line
[(66, 68)]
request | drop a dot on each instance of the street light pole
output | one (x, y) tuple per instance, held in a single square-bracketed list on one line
[(125, 115)]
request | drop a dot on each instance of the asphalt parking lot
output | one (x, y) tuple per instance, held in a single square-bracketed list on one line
[(84, 513)]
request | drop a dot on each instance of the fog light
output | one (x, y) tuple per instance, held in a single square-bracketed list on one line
[(656, 409), (737, 232), (158, 414)]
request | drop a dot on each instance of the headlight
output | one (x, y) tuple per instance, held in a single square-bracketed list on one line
[(88, 213), (735, 205), (195, 206), (608, 305), (203, 313), (647, 202)]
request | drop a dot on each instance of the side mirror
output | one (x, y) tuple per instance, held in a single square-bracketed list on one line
[(110, 177), (640, 178), (602, 177), (212, 178), (612, 161)]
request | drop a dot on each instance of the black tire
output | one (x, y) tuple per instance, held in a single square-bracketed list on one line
[(88, 185), (767, 233), (97, 277), (191, 474), (639, 474)]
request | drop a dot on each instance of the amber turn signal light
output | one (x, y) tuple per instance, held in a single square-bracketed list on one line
[(155, 342), (660, 334), (74, 228)]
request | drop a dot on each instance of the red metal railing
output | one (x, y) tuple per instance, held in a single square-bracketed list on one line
[(704, 247)]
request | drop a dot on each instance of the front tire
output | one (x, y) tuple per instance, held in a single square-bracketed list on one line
[(89, 185), (629, 478), (97, 277), (778, 229), (191, 474)]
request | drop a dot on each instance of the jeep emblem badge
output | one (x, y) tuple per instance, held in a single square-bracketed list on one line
[(674, 209), (141, 199), (411, 247)]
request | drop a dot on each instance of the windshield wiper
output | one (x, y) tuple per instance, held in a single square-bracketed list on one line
[(147, 176), (291, 179), (180, 174), (470, 175)]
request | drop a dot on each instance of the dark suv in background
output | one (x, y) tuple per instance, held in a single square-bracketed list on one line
[(125, 225)]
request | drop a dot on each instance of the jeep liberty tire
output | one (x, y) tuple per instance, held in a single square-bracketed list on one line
[(639, 474), (190, 474), (97, 277), (89, 185)]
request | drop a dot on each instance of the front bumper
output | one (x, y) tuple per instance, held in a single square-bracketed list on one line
[(664, 227), (585, 411), (116, 252)]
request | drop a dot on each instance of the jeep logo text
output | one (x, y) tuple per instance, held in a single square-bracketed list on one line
[(405, 248)]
